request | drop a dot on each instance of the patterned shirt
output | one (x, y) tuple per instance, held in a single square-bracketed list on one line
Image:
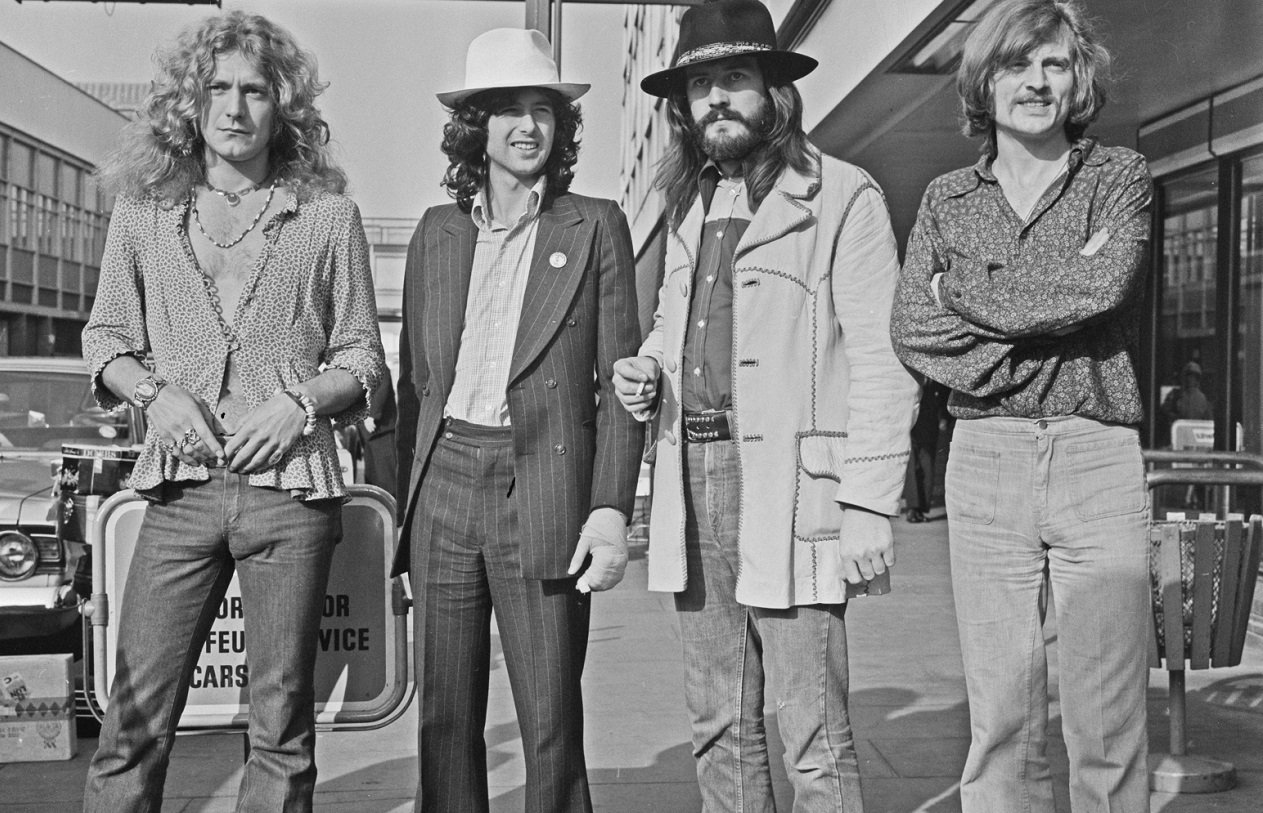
[(308, 304), (1036, 320), (707, 384), (497, 286)]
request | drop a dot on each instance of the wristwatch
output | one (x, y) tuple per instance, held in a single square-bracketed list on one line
[(147, 389)]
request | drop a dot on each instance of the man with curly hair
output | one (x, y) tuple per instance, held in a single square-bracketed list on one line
[(234, 261), (517, 468), (1022, 292)]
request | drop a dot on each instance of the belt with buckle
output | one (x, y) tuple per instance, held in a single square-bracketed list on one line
[(706, 427)]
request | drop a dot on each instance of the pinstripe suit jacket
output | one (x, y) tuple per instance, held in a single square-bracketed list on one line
[(574, 447)]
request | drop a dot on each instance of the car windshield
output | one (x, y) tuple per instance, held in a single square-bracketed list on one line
[(43, 410)]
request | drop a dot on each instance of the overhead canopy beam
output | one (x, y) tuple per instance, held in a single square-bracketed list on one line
[(215, 3)]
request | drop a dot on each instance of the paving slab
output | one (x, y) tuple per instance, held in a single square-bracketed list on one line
[(908, 708)]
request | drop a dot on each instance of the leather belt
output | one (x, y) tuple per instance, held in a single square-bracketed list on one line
[(707, 427)]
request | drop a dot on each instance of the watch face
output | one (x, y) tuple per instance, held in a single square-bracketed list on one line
[(146, 390)]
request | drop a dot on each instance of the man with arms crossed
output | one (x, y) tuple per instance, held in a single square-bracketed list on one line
[(516, 464), (783, 414), (1021, 291)]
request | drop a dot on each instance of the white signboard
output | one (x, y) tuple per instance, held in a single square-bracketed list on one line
[(361, 665)]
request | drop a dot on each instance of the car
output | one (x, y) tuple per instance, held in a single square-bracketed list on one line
[(45, 403)]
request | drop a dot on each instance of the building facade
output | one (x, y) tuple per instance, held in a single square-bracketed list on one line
[(53, 215)]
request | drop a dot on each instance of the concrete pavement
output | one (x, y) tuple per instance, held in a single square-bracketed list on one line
[(908, 707)]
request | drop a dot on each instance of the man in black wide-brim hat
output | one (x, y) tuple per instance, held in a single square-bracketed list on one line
[(783, 414)]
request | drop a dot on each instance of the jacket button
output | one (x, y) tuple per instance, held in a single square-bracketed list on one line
[(425, 391), (551, 383), (670, 365), (669, 437), (572, 321), (559, 449)]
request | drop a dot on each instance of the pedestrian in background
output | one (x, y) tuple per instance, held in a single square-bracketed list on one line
[(1021, 291), (234, 261), (782, 412), (517, 468), (927, 431)]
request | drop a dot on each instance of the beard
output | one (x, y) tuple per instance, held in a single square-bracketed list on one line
[(732, 146)]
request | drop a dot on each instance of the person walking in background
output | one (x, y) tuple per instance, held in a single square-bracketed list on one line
[(1021, 291), (782, 412), (517, 468), (932, 418), (232, 259), (1182, 403)]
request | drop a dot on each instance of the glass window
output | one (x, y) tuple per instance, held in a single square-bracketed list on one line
[(47, 225), (45, 174), (69, 187), (20, 217), (91, 192), (20, 163), (1250, 312), (1187, 352), (43, 410)]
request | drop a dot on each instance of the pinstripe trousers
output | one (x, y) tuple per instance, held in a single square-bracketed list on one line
[(465, 563)]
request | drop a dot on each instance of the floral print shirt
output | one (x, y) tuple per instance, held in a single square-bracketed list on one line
[(308, 304), (1036, 319)]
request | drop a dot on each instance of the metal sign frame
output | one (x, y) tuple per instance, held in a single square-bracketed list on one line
[(121, 513)]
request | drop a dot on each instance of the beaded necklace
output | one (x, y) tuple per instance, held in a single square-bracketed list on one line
[(232, 198), (257, 217)]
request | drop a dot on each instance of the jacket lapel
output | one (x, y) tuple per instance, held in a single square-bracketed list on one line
[(556, 269), (454, 254), (690, 233), (782, 210)]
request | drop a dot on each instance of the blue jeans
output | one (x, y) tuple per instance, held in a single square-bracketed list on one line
[(730, 648), (1063, 497), (188, 547)]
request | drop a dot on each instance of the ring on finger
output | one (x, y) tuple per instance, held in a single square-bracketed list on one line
[(190, 438)]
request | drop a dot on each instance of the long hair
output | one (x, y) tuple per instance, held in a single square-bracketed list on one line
[(784, 145), (465, 144), (1009, 31), (162, 151)]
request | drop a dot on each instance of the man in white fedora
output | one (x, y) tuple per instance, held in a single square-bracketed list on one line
[(517, 466)]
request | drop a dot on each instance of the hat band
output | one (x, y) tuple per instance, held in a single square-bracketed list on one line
[(718, 50)]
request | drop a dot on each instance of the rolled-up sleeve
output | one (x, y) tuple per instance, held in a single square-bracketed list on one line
[(116, 326), (355, 343)]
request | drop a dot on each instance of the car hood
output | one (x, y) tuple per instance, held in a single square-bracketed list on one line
[(23, 476)]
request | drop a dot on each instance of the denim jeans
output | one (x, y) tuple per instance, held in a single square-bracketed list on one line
[(1064, 497), (730, 648), (187, 549)]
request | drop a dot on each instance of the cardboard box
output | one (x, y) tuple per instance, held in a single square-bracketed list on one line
[(37, 708)]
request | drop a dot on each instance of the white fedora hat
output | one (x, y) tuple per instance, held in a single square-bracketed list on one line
[(511, 58)]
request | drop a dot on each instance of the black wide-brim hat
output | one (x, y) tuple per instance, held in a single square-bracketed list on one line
[(721, 29)]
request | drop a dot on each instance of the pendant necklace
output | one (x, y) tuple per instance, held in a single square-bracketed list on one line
[(198, 220), (233, 198)]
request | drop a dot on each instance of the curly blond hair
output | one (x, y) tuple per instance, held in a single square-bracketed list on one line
[(161, 154)]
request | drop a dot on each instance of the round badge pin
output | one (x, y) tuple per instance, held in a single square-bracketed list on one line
[(557, 260)]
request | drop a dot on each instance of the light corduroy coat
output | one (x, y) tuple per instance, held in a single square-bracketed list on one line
[(823, 407)]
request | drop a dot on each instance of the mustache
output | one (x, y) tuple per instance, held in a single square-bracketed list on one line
[(723, 115)]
